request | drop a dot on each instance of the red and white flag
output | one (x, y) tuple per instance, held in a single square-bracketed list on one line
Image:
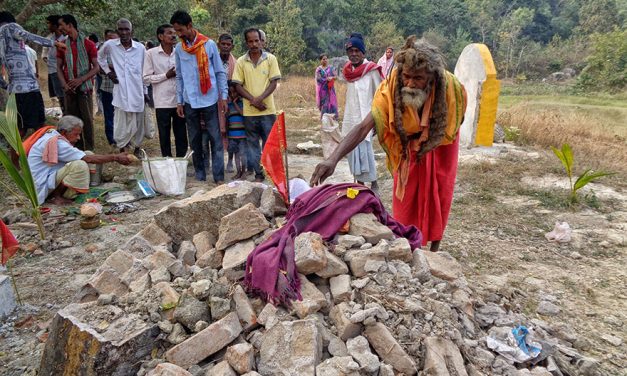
[(10, 245), (272, 157)]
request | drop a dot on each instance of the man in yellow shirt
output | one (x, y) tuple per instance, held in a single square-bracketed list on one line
[(256, 76)]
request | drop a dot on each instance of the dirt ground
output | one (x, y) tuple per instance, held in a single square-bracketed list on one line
[(506, 199)]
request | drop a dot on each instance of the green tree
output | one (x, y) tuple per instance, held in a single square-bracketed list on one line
[(566, 18), (324, 28), (285, 32), (248, 13), (96, 15), (512, 46), (145, 15), (412, 17), (221, 14), (449, 16), (598, 16), (460, 41), (606, 67), (201, 19), (384, 34), (484, 14)]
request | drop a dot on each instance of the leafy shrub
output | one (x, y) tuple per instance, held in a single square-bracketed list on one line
[(606, 67)]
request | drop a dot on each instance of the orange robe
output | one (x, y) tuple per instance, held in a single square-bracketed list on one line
[(423, 190)]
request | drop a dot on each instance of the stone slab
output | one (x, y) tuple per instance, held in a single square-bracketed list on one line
[(7, 297), (442, 358), (239, 225), (443, 265), (291, 348), (201, 212), (205, 343), (389, 349), (76, 347)]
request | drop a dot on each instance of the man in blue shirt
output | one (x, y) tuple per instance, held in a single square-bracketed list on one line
[(201, 91)]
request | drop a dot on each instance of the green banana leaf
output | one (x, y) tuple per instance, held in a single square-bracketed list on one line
[(8, 127), (589, 176), (565, 155), (22, 177)]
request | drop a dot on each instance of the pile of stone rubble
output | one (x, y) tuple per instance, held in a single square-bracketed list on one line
[(169, 303)]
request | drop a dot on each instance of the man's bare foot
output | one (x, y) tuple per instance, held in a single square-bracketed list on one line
[(60, 200), (435, 246)]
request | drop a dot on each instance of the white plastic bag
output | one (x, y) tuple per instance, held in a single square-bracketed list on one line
[(149, 123), (329, 134), (298, 187), (167, 176), (562, 233)]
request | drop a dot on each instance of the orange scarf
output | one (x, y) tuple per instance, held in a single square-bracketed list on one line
[(33, 138), (198, 49), (50, 154)]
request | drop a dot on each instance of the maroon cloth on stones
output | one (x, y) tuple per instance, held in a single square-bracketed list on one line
[(270, 268)]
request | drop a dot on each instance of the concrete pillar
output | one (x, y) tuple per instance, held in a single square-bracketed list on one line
[(475, 70)]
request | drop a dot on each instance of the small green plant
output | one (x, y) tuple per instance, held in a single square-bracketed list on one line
[(21, 176), (512, 133), (565, 155)]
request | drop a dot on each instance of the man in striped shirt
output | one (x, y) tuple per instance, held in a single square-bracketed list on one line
[(236, 131), (78, 64)]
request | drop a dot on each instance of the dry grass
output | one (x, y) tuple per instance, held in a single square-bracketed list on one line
[(296, 95), (300, 91), (595, 143)]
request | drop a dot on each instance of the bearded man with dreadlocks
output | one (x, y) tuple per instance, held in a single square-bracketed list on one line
[(417, 112)]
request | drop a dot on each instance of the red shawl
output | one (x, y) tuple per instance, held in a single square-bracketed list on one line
[(353, 74)]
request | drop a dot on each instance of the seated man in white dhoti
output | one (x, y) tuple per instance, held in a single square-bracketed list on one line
[(129, 91), (363, 78), (60, 170)]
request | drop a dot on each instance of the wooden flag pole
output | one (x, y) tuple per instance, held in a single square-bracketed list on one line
[(287, 177), (287, 174), (17, 293)]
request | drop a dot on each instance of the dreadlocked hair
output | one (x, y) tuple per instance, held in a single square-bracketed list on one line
[(398, 113), (419, 54)]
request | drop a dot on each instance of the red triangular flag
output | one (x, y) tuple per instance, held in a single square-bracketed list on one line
[(272, 156), (10, 245)]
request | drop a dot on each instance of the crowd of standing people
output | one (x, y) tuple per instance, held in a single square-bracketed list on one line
[(205, 96), (209, 100)]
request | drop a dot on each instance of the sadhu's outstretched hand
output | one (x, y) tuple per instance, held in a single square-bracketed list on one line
[(353, 138), (322, 172)]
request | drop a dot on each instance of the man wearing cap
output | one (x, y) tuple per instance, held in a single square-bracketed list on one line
[(363, 78)]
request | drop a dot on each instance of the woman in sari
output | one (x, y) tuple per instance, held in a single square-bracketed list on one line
[(325, 90)]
